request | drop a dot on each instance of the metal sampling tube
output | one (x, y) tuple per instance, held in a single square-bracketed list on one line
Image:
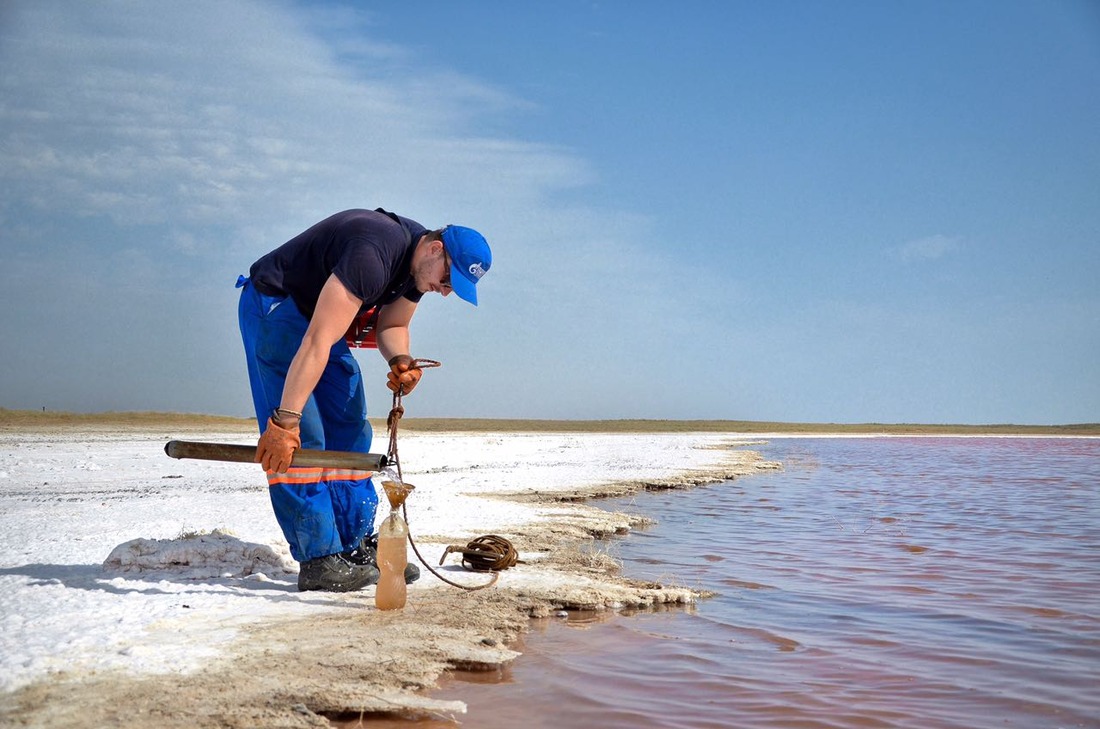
[(303, 457)]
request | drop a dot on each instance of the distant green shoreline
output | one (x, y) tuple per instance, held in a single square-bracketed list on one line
[(13, 420)]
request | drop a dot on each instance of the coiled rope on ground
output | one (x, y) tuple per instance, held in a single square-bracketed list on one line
[(489, 553)]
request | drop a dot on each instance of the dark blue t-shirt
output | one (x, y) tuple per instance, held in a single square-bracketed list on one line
[(370, 251)]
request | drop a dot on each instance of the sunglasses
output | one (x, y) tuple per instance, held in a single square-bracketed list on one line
[(445, 282)]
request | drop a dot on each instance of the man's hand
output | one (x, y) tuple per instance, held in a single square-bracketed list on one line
[(403, 373), (276, 447)]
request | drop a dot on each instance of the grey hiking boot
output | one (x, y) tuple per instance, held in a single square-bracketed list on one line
[(335, 573), (366, 554)]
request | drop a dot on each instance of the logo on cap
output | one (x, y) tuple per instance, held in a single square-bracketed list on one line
[(477, 270)]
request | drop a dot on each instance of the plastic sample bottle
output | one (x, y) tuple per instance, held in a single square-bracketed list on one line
[(392, 557)]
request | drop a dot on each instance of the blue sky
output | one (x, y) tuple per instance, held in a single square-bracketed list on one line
[(799, 211)]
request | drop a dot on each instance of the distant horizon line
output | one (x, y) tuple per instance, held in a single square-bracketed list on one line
[(135, 417)]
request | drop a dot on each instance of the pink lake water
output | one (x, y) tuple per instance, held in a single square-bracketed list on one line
[(874, 582)]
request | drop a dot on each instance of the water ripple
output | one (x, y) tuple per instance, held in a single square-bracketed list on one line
[(879, 582)]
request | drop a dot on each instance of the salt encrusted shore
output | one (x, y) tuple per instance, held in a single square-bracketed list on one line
[(136, 590)]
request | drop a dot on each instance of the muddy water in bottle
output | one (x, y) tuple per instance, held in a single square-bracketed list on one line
[(392, 555)]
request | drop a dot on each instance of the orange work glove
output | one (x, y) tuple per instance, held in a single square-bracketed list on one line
[(276, 447), (403, 373)]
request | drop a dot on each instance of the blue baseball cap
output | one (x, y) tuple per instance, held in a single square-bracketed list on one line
[(470, 259)]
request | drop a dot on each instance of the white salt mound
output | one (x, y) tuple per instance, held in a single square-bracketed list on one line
[(201, 556)]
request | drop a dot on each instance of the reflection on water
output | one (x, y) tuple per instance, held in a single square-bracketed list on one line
[(875, 582)]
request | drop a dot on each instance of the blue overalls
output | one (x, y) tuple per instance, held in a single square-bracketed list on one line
[(321, 511)]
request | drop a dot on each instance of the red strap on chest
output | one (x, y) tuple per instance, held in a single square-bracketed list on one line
[(361, 333)]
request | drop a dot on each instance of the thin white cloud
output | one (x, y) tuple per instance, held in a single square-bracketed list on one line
[(148, 112), (153, 150), (930, 248)]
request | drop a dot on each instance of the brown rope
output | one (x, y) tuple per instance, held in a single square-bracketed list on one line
[(489, 553), (396, 412)]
